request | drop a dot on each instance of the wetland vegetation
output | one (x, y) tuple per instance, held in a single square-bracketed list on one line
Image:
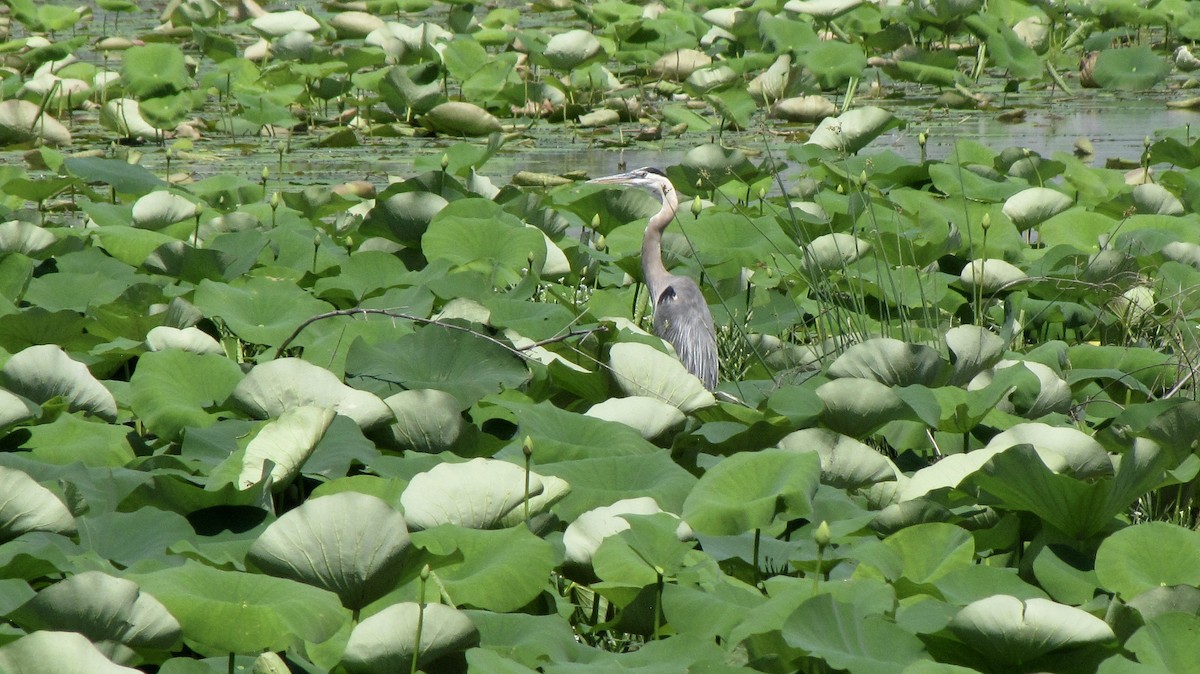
[(302, 370)]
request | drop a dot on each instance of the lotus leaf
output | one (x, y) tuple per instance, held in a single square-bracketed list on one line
[(679, 64), (28, 506), (649, 416), (804, 109), (830, 252), (642, 370), (427, 420), (348, 543), (461, 119), (70, 652), (500, 570), (1131, 561), (821, 9), (1083, 456), (14, 409), (858, 407), (22, 122), (191, 339), (852, 131), (583, 536), (972, 350), (405, 216), (386, 641), (478, 494), (891, 362), (845, 462), (25, 238), (286, 442), (1167, 643), (154, 70), (124, 116), (159, 209), (750, 491), (44, 372), (1007, 630), (1030, 208), (230, 611), (1050, 393), (1155, 199), (850, 639), (571, 49), (1130, 69), (278, 24), (275, 387), (771, 85), (991, 275), (103, 608)]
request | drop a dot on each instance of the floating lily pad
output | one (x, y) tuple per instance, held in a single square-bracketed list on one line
[(1130, 68), (28, 506), (278, 24), (24, 122), (571, 48), (478, 494), (649, 416), (458, 118), (70, 652), (853, 130), (274, 387), (44, 372), (1011, 631), (1030, 208), (642, 370)]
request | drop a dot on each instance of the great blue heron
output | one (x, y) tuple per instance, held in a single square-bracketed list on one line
[(681, 315)]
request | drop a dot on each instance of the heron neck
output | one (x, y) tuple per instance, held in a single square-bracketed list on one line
[(653, 269)]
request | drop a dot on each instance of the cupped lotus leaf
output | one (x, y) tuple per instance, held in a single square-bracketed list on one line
[(571, 48), (404, 217), (1145, 556), (349, 543), (192, 339), (752, 490), (711, 78), (1034, 31), (679, 64), (274, 387), (278, 24), (459, 118), (890, 361), (14, 409), (1167, 643), (583, 536), (830, 252), (24, 122), (1134, 305), (1009, 631), (45, 371), (942, 12), (427, 420), (25, 238), (1084, 457), (1051, 393), (68, 652), (102, 608), (641, 370), (478, 234), (477, 494), (853, 130), (804, 109), (947, 473), (159, 209), (122, 177), (650, 417), (835, 63), (296, 45), (385, 642), (991, 275), (858, 407), (124, 116), (1130, 68), (771, 84), (849, 638), (973, 349), (1030, 208), (1154, 199), (154, 70), (286, 442), (354, 24), (232, 611), (821, 9), (1183, 253), (61, 92), (26, 506), (846, 463)]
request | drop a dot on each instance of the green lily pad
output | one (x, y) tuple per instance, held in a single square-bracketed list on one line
[(70, 652), (845, 462), (23, 122), (427, 420), (1130, 68), (750, 491), (1030, 208), (891, 362), (1131, 561), (28, 506), (458, 118), (853, 130), (642, 370), (649, 416), (275, 387), (286, 441), (572, 48)]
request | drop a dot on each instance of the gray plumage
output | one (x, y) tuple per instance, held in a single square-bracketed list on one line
[(681, 316)]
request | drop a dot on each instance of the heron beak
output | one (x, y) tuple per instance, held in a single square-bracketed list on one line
[(615, 179)]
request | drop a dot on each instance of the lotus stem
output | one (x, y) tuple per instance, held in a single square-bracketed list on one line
[(420, 620), (757, 540), (658, 594)]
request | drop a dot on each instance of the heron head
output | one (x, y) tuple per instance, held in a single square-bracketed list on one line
[(645, 177)]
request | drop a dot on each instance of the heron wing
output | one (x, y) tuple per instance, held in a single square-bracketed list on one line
[(682, 317)]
